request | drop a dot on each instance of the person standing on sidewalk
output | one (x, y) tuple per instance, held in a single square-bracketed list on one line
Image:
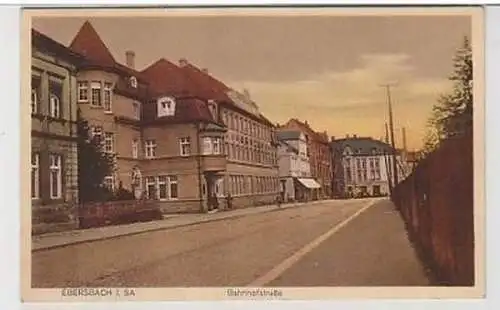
[(278, 201)]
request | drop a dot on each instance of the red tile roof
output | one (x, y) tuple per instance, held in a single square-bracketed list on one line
[(207, 86), (186, 110), (165, 78), (88, 43), (319, 137)]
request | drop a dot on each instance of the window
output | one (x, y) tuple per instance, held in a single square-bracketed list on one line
[(150, 187), (96, 94), (207, 145), (34, 101), (185, 144), (109, 182), (97, 133), (55, 176), (150, 148), (35, 175), (162, 187), (137, 110), (107, 97), (135, 148), (173, 187), (217, 145), (55, 106), (35, 94), (108, 142), (133, 82), (83, 91)]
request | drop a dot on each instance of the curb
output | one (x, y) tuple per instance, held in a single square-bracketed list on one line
[(275, 208)]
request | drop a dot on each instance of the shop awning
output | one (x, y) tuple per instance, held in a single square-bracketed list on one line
[(309, 183)]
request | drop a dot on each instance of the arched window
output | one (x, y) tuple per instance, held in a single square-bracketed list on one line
[(55, 106)]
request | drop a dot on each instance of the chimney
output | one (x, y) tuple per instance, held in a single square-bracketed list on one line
[(183, 62), (332, 138), (354, 136), (130, 59), (246, 93), (403, 132), (204, 70), (305, 122)]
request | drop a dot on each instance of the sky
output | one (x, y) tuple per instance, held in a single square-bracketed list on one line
[(327, 70)]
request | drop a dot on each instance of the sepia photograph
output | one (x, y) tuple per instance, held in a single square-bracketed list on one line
[(262, 153)]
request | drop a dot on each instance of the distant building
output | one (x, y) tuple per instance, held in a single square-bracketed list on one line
[(320, 156), (363, 167), (54, 158), (294, 167)]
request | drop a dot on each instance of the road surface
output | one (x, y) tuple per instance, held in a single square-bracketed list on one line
[(332, 243)]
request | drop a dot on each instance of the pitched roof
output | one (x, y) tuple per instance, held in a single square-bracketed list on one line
[(44, 42), (304, 126), (187, 109), (206, 86), (165, 77), (361, 145), (288, 135), (88, 43)]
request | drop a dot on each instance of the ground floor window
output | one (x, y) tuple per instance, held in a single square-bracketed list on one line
[(55, 176), (35, 175), (163, 187)]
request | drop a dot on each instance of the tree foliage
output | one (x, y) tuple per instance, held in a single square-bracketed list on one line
[(93, 164), (452, 115)]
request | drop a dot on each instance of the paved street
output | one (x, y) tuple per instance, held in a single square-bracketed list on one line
[(357, 242)]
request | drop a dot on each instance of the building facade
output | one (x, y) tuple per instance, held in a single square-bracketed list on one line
[(320, 157), (365, 166), (294, 167), (54, 167), (179, 135), (250, 145)]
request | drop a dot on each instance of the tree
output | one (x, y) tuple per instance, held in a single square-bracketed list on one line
[(93, 164), (452, 115)]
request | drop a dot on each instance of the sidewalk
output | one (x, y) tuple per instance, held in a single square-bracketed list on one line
[(372, 250), (60, 239)]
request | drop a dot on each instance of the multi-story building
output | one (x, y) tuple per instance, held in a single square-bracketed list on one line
[(110, 97), (251, 175), (178, 135), (320, 156), (365, 165), (54, 169), (294, 167)]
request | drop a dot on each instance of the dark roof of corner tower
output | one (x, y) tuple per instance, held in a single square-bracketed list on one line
[(88, 43), (165, 78)]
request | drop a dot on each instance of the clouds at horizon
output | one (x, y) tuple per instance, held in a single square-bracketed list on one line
[(353, 101)]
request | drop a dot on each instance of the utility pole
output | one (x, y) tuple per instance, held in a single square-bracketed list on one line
[(387, 162), (391, 128)]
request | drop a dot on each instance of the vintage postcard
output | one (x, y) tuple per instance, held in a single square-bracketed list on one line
[(252, 153)]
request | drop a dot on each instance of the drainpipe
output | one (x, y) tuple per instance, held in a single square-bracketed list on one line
[(198, 161)]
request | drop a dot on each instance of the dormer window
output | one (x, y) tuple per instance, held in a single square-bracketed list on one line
[(133, 82), (166, 107), (213, 108)]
